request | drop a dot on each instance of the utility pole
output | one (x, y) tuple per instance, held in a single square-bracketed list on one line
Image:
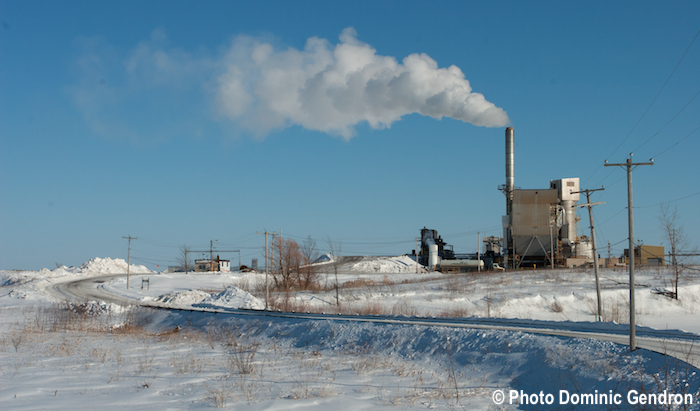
[(629, 165), (478, 252), (128, 262), (607, 265), (417, 246), (211, 255), (595, 250), (267, 270)]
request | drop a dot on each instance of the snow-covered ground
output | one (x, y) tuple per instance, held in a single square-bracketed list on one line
[(56, 355)]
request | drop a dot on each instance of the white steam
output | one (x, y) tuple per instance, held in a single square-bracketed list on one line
[(333, 88)]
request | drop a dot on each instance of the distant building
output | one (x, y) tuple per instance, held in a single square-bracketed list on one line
[(651, 255), (202, 266)]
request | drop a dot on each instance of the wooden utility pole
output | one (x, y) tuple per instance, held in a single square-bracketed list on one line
[(211, 255), (267, 269), (478, 252), (595, 250), (128, 261), (629, 165), (417, 246)]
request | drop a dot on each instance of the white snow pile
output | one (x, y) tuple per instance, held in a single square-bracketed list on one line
[(400, 264), (110, 266), (181, 298), (95, 308), (13, 278), (232, 297), (96, 266)]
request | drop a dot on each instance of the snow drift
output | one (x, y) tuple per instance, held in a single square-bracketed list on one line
[(232, 297)]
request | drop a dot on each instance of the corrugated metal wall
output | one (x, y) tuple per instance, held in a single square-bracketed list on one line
[(532, 211)]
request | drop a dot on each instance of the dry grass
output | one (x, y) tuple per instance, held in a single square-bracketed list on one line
[(454, 312), (404, 307), (368, 308), (360, 282), (556, 307)]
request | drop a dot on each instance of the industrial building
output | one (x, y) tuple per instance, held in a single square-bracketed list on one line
[(437, 255), (539, 230), (539, 227), (652, 255)]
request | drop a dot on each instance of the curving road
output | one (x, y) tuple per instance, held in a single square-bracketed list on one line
[(678, 345)]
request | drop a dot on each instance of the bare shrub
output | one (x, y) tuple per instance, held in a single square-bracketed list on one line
[(17, 338), (454, 285), (218, 395), (287, 303), (241, 357), (368, 308), (556, 307), (187, 364), (454, 312), (616, 309), (404, 307), (360, 282)]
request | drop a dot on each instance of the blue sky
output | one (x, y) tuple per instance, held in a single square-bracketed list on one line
[(117, 119)]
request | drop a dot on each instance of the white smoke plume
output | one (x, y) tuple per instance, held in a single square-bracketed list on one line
[(332, 88)]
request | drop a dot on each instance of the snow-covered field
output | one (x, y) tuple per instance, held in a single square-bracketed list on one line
[(95, 355)]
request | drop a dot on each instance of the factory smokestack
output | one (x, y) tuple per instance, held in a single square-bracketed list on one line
[(510, 169)]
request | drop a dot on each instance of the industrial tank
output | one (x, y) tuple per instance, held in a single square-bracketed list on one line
[(584, 248)]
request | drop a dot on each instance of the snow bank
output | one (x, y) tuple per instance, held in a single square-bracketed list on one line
[(180, 298), (110, 266), (400, 264), (232, 297), (95, 308), (96, 266)]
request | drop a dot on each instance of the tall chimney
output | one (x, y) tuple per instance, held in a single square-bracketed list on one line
[(510, 168)]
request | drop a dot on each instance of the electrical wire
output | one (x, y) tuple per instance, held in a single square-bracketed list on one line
[(614, 215), (657, 95), (650, 104), (669, 122), (671, 201), (678, 142)]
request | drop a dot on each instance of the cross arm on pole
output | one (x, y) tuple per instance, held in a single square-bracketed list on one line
[(590, 204)]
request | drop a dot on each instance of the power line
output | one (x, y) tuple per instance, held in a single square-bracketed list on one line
[(615, 215), (650, 104), (669, 122), (678, 142), (657, 95), (672, 201)]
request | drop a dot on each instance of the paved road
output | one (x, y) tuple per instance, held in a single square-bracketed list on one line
[(682, 346)]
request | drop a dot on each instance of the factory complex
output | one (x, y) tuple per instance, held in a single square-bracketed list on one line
[(539, 230)]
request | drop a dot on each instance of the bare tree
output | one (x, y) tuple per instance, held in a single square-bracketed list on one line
[(307, 276), (286, 260), (680, 252), (309, 250), (184, 258), (335, 248)]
